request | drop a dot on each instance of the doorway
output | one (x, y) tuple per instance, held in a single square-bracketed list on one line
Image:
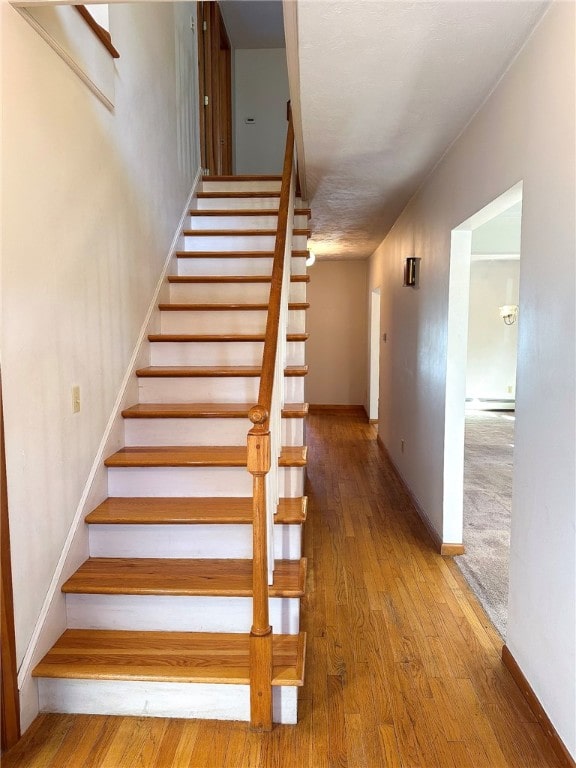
[(480, 396), (215, 91), (374, 373)]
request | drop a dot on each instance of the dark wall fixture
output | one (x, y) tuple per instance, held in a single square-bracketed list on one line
[(412, 272)]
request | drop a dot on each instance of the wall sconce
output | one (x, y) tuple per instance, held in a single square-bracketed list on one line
[(509, 313), (311, 258), (412, 272)]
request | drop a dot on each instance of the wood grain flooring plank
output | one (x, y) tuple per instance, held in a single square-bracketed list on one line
[(337, 755), (118, 742), (186, 744), (236, 746), (390, 756), (169, 743), (78, 743), (252, 750), (356, 756), (319, 690), (303, 744), (210, 746), (101, 743), (42, 742), (278, 748), (145, 742)]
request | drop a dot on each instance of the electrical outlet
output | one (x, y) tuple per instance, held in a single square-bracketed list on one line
[(76, 399), (402, 445)]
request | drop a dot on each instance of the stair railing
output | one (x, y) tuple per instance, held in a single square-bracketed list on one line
[(264, 447)]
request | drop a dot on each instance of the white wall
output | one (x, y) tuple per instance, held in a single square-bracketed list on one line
[(260, 92), (525, 131), (91, 201), (491, 366), (336, 351)]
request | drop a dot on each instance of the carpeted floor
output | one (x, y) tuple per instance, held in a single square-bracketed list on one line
[(488, 458)]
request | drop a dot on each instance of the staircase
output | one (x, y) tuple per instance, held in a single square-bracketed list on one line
[(160, 616)]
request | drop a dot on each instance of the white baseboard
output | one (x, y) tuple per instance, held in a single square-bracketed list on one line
[(52, 618), (485, 404)]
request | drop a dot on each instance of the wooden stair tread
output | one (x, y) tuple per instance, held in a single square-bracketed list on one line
[(232, 279), (238, 193), (233, 254), (167, 576), (221, 307), (191, 657), (240, 232), (197, 456), (179, 371), (245, 177), (246, 212), (204, 410), (190, 511), (209, 337)]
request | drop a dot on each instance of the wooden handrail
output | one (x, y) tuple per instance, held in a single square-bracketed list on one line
[(260, 413), (102, 34), (259, 463)]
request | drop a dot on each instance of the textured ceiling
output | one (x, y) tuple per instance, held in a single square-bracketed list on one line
[(254, 23), (386, 87)]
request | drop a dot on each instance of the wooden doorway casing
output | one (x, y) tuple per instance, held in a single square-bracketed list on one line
[(215, 90), (10, 706)]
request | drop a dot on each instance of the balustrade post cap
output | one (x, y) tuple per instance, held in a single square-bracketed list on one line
[(258, 415)]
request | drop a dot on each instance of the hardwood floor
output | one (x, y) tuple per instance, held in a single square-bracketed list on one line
[(403, 668)]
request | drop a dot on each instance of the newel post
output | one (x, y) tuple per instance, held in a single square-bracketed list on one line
[(261, 633)]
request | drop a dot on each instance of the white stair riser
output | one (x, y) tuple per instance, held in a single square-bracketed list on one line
[(237, 265), (146, 699), (196, 481), (188, 541), (229, 389), (223, 293), (230, 221), (256, 185), (238, 242), (174, 613), (221, 321), (202, 431), (226, 321), (237, 203), (229, 243), (219, 353)]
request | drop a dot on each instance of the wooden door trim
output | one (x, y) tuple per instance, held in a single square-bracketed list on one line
[(10, 707), (214, 54)]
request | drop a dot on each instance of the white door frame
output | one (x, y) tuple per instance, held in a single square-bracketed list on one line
[(457, 353)]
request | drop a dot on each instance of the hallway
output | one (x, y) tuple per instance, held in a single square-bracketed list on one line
[(403, 668)]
